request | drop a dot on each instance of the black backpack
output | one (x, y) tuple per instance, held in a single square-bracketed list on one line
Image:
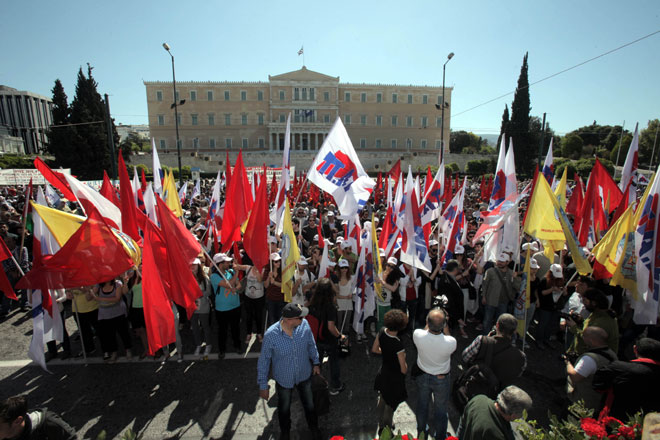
[(477, 379)]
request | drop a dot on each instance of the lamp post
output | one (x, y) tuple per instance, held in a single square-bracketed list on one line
[(175, 105), (441, 107)]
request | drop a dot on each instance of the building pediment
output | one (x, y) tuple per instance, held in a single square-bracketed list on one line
[(303, 74)]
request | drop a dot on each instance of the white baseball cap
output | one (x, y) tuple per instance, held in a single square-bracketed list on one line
[(221, 258), (557, 271), (503, 257), (433, 242), (381, 252), (275, 256), (392, 261), (459, 249), (343, 263), (345, 244), (533, 264), (302, 262), (272, 239)]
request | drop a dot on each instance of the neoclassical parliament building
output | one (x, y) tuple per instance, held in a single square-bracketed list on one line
[(233, 115)]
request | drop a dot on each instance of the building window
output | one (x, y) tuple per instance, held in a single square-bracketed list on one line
[(281, 95), (326, 118), (296, 94), (179, 143), (378, 143), (227, 142), (363, 97), (161, 119), (425, 99), (261, 143), (176, 96), (227, 118), (312, 95), (395, 98), (211, 119), (243, 95), (410, 98), (409, 120), (379, 120), (393, 144), (326, 96), (212, 143), (282, 117), (440, 100), (159, 95), (379, 97), (438, 143), (425, 121), (438, 122), (260, 119), (422, 143), (244, 143), (347, 119), (163, 144), (209, 96), (363, 143), (304, 93), (193, 95), (178, 118), (195, 142), (409, 143), (260, 95), (347, 96), (193, 119), (394, 121), (244, 119), (226, 95), (363, 120)]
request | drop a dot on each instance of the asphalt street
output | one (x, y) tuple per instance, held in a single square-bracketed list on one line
[(218, 398)]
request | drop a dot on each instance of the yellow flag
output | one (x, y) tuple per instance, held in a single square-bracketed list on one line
[(541, 222), (171, 195), (61, 224), (375, 255), (560, 191), (290, 253), (609, 247)]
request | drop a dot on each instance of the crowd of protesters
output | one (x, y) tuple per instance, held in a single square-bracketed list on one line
[(620, 359)]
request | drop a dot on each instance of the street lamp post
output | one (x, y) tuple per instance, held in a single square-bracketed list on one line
[(442, 109), (175, 105)]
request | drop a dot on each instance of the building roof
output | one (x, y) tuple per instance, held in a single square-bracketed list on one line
[(303, 74)]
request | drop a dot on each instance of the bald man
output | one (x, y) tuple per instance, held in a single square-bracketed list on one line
[(580, 376)]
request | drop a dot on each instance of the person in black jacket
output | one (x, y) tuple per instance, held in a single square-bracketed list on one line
[(17, 422), (448, 286)]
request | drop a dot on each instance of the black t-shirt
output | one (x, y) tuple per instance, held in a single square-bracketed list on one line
[(326, 314)]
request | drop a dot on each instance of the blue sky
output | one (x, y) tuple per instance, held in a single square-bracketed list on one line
[(360, 41)]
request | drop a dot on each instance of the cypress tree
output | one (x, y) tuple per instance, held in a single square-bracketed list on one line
[(505, 126), (519, 125), (60, 133)]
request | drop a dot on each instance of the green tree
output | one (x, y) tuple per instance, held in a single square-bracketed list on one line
[(453, 168), (479, 167), (647, 138), (90, 142), (504, 127), (624, 145), (60, 132), (518, 127), (535, 131), (134, 143), (571, 146)]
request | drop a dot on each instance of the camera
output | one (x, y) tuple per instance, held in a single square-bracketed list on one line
[(439, 301)]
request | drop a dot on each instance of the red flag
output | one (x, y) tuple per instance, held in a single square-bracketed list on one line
[(623, 204), (255, 239), (592, 211), (482, 188), (129, 212), (273, 190), (5, 285), (91, 256), (319, 229), (143, 180), (158, 315), (575, 203), (227, 172), (237, 205), (378, 190), (54, 178), (108, 190)]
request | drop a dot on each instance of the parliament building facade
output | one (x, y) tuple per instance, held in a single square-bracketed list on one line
[(219, 116)]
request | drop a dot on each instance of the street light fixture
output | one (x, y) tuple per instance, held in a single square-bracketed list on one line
[(175, 106), (442, 108)]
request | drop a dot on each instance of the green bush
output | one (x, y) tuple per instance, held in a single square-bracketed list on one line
[(453, 168), (479, 167), (10, 161), (571, 146)]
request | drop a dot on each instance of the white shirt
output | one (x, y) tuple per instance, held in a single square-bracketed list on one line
[(434, 351), (586, 366)]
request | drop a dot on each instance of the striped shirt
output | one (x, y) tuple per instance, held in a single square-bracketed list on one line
[(291, 357)]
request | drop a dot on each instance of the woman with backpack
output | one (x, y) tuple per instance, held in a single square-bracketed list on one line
[(227, 302)]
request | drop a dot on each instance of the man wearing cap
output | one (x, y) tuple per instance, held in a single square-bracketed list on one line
[(497, 291), (290, 351)]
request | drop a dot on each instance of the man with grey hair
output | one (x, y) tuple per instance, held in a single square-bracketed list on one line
[(485, 418)]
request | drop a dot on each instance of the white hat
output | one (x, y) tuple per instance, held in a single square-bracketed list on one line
[(316, 237), (272, 239), (533, 264), (314, 211), (381, 252), (331, 214), (196, 261), (345, 244), (393, 261), (535, 246), (221, 258), (340, 239), (507, 248), (302, 262), (331, 263), (343, 263), (459, 249), (504, 257), (556, 270), (433, 242), (275, 256)]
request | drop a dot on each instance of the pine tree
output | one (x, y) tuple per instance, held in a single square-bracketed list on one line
[(518, 127), (504, 128), (60, 132)]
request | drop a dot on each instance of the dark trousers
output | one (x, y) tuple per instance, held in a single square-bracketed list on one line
[(254, 309), (66, 342), (87, 328), (548, 321), (108, 329), (232, 319), (332, 350), (411, 306), (274, 311), (284, 405)]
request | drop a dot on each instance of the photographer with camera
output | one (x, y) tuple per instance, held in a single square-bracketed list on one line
[(597, 304)]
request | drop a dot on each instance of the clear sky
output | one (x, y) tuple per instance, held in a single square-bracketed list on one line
[(359, 41)]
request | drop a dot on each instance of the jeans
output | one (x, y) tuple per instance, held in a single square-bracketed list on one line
[(332, 350), (274, 309), (232, 319), (254, 309), (491, 313), (199, 323), (284, 405), (428, 385), (547, 324)]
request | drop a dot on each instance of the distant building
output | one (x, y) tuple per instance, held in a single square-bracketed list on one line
[(140, 130), (26, 115), (10, 144), (252, 115)]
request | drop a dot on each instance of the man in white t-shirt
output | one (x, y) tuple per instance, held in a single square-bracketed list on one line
[(580, 376), (434, 349)]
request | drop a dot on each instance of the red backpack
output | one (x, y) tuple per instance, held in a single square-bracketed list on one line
[(317, 327)]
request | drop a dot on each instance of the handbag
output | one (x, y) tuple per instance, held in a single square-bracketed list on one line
[(320, 394)]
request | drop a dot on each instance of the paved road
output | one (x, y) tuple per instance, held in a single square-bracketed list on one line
[(214, 398)]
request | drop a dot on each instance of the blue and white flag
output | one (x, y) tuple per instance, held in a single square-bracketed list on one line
[(52, 196), (158, 170), (337, 170), (195, 192)]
